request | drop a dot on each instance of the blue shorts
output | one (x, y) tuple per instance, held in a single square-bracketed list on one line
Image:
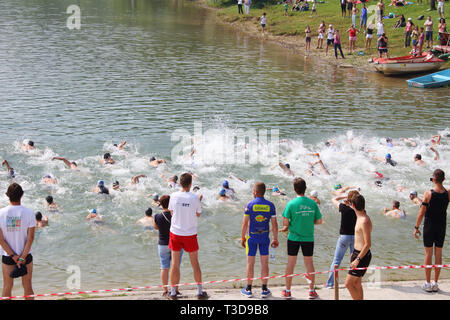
[(253, 243), (165, 256)]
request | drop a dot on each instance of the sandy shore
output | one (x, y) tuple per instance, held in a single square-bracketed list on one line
[(393, 290), (295, 43)]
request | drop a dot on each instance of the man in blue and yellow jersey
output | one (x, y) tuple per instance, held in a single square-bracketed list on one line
[(258, 215)]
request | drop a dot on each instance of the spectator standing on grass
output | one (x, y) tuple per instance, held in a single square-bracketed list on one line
[(240, 11)]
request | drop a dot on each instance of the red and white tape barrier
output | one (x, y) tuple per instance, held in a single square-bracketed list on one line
[(304, 275)]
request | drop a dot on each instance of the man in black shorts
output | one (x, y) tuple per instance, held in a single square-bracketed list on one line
[(343, 8), (434, 208), (17, 225), (361, 255)]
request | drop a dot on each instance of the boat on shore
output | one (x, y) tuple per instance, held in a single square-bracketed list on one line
[(407, 64), (433, 80), (444, 44)]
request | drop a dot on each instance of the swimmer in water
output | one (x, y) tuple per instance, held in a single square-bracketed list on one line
[(27, 145), (41, 220), (322, 168), (148, 220), (389, 142), (116, 185), (49, 179), (135, 179), (277, 192), (71, 165), (120, 146), (436, 158), (286, 168), (11, 173), (414, 198), (410, 141), (229, 191), (339, 190), (196, 191), (436, 139), (387, 159), (314, 195), (237, 178), (155, 199), (156, 162), (418, 160), (100, 188), (172, 182), (51, 205), (94, 217), (107, 159), (223, 195), (395, 212)]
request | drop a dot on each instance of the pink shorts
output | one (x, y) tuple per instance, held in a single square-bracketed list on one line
[(188, 243), (352, 38)]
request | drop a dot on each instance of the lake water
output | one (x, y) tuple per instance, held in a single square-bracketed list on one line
[(140, 70)]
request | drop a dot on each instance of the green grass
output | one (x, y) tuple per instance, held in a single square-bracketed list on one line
[(330, 12)]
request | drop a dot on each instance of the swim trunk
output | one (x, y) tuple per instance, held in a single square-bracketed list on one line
[(433, 235), (364, 263), (352, 38), (308, 39), (429, 35), (330, 42), (188, 243), (10, 261), (252, 245), (294, 246)]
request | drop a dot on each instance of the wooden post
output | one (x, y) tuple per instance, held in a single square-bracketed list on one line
[(336, 282)]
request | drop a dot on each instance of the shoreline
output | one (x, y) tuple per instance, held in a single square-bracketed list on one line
[(386, 290), (249, 25)]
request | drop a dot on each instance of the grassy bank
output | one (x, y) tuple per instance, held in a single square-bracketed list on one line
[(291, 28)]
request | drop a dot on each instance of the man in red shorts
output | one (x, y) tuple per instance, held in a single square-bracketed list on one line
[(185, 208)]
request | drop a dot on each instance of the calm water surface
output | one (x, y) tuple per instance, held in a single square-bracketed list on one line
[(137, 71)]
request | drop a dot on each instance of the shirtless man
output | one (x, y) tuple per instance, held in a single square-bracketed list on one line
[(339, 189), (223, 195), (172, 182), (71, 165), (322, 167), (414, 198), (148, 220), (120, 146), (100, 188), (361, 255), (11, 173), (395, 212), (52, 205), (27, 145), (156, 162), (41, 220), (278, 192), (107, 159), (286, 168), (135, 179), (49, 179), (387, 159), (94, 217), (418, 160)]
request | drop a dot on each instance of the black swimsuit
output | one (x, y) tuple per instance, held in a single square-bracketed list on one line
[(435, 224)]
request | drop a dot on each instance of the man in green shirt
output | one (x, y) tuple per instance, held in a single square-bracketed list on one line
[(299, 217)]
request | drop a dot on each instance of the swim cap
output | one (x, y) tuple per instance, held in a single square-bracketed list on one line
[(12, 174), (100, 183), (388, 156), (47, 176), (413, 193), (93, 211), (314, 194), (30, 143), (288, 165), (155, 197), (149, 212), (337, 186), (275, 189), (222, 192), (106, 156), (378, 183), (152, 159), (25, 141), (49, 199), (116, 183), (174, 178), (225, 184), (196, 188), (379, 175)]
